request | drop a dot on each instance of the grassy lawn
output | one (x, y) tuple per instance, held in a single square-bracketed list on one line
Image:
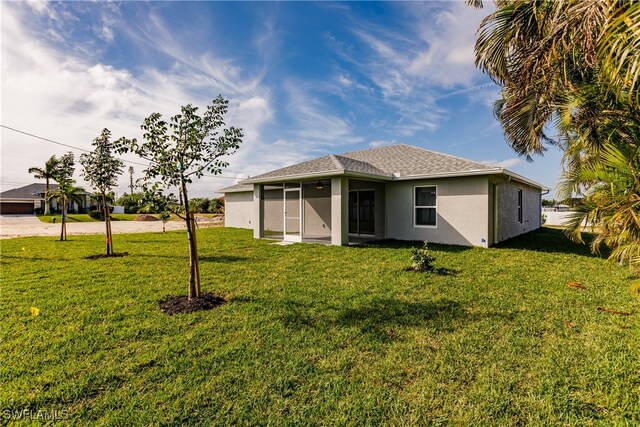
[(319, 335)]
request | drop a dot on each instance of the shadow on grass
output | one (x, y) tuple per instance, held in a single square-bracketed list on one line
[(380, 319), (222, 258), (408, 244), (551, 240), (439, 271), (218, 259)]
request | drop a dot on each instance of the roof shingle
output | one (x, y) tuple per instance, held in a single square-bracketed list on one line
[(385, 162)]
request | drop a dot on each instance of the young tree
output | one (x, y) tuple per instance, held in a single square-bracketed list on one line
[(47, 173), (101, 169), (183, 149), (66, 191)]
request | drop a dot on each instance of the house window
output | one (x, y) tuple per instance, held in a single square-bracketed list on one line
[(520, 206), (424, 204)]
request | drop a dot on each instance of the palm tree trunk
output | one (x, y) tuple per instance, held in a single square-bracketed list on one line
[(194, 270), (63, 227), (46, 197)]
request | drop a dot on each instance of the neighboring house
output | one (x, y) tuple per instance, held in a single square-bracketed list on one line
[(394, 192), (25, 200)]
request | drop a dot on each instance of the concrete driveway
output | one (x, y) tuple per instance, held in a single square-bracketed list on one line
[(29, 225)]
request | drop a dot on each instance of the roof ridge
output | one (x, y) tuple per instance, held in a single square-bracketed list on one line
[(336, 161)]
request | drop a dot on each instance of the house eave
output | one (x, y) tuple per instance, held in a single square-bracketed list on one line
[(524, 180), (495, 171), (450, 174), (390, 177)]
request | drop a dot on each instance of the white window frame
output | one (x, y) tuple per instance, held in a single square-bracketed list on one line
[(415, 207)]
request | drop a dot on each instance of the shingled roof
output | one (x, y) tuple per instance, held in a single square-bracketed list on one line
[(237, 188), (405, 160), (31, 191), (390, 162)]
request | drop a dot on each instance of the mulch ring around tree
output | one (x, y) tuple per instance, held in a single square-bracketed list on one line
[(183, 304), (113, 255)]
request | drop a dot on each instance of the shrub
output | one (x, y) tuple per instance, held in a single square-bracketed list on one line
[(132, 202), (199, 205), (421, 259)]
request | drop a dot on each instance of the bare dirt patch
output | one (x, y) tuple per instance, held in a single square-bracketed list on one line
[(145, 217), (183, 304)]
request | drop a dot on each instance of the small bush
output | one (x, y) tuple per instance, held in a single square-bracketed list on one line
[(421, 259), (96, 215)]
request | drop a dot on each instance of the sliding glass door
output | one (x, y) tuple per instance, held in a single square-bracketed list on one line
[(361, 212)]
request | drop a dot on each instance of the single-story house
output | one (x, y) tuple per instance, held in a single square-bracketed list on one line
[(394, 192), (25, 200)]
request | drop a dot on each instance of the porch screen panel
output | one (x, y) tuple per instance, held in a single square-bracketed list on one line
[(316, 202), (292, 212), (273, 211)]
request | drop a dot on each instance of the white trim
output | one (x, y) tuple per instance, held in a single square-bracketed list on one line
[(414, 207)]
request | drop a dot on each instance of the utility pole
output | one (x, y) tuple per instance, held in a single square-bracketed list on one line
[(131, 171)]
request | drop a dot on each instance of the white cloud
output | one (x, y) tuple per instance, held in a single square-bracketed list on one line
[(507, 163), (381, 143), (65, 96), (316, 125), (409, 66)]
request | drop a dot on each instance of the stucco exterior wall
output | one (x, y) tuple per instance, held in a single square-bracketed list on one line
[(462, 212), (239, 210), (507, 210)]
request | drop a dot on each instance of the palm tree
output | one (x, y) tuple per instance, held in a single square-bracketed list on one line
[(612, 203), (542, 51), (573, 65), (47, 173), (66, 192)]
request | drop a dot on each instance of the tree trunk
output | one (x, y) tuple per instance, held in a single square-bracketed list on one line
[(194, 270), (110, 236), (47, 211), (106, 223), (63, 225)]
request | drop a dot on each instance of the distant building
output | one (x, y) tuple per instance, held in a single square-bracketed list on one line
[(556, 208), (30, 199)]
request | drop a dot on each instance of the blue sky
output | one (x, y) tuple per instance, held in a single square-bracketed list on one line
[(303, 79)]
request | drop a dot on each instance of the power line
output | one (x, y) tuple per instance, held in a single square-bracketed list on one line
[(87, 151)]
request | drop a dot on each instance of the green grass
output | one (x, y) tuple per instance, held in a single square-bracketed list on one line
[(319, 335), (85, 218)]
